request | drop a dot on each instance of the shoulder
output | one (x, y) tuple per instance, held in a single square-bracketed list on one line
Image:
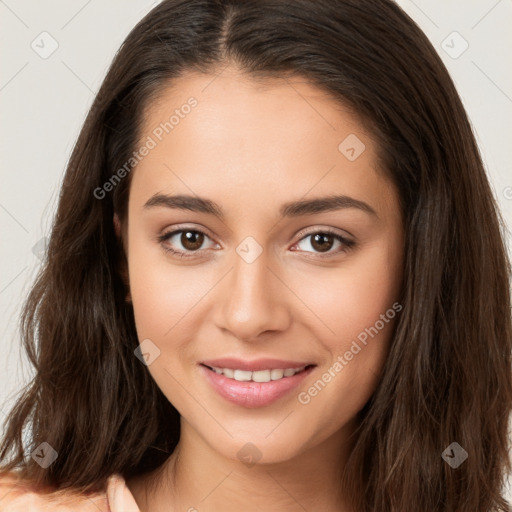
[(17, 495)]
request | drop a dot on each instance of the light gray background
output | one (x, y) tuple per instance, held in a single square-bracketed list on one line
[(43, 102)]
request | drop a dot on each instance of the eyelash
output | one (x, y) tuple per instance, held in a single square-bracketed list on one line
[(348, 244)]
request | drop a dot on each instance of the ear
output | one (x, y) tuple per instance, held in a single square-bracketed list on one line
[(122, 263)]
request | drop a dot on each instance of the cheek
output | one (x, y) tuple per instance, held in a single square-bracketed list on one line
[(350, 298), (162, 293), (358, 308)]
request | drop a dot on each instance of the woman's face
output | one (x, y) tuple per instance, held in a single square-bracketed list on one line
[(260, 272)]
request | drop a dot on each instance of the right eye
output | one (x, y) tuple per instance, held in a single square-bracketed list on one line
[(191, 241)]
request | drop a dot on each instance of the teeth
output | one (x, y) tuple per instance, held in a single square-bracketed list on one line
[(228, 372), (276, 374), (242, 375), (257, 376)]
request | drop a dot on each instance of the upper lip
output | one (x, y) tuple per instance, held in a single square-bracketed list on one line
[(255, 364)]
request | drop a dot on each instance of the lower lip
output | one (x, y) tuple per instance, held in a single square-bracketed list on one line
[(253, 394)]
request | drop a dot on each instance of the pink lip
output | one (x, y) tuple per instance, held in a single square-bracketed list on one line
[(255, 365), (251, 394)]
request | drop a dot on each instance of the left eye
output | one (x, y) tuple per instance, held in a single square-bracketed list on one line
[(192, 240), (322, 241)]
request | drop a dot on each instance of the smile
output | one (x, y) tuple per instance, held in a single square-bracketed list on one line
[(252, 389)]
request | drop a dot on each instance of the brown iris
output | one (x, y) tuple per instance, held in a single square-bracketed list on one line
[(322, 241), (192, 240)]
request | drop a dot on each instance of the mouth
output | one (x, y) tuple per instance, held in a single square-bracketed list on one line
[(252, 389)]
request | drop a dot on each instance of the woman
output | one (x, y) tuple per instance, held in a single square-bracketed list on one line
[(276, 278)]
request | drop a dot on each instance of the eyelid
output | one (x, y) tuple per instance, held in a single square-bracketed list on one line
[(183, 227), (311, 230)]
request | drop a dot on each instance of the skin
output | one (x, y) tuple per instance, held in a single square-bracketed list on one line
[(250, 147)]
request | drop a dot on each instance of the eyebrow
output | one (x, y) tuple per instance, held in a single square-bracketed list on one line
[(290, 209)]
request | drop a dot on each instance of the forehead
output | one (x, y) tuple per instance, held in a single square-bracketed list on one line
[(268, 138), (231, 100)]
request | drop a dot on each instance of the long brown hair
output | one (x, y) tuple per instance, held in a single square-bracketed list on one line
[(448, 375)]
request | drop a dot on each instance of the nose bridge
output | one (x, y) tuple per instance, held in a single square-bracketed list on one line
[(251, 302)]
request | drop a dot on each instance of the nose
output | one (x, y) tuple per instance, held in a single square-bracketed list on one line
[(252, 301)]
